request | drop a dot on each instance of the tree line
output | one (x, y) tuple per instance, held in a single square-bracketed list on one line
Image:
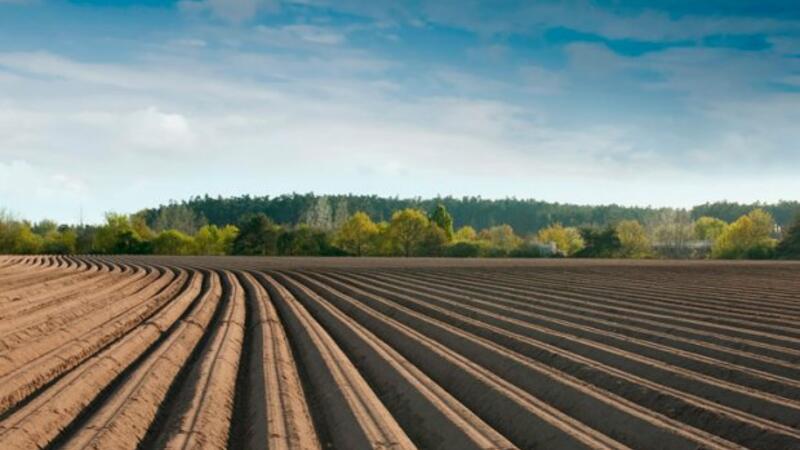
[(525, 216), (323, 230)]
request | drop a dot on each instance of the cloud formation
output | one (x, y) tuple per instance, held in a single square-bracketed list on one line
[(233, 11), (379, 97)]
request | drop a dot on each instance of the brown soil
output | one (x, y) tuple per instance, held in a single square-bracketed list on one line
[(312, 353)]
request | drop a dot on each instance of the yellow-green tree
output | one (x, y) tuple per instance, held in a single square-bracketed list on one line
[(633, 239), (63, 241), (748, 237), (500, 238), (173, 242), (465, 234), (382, 244), (356, 234), (18, 237), (434, 241), (568, 240), (117, 229), (212, 240), (139, 226), (407, 230), (709, 228)]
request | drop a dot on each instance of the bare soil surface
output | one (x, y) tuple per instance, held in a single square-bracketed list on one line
[(392, 353)]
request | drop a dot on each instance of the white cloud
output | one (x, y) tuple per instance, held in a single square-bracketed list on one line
[(155, 130), (316, 35), (40, 193), (234, 11), (299, 107), (539, 80)]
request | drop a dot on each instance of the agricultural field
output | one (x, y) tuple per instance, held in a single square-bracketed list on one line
[(304, 353)]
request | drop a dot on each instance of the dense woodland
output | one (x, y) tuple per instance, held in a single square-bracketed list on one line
[(525, 216), (310, 225)]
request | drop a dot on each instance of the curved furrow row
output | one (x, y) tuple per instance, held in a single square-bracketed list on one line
[(122, 352), (695, 410), (665, 294), (679, 288), (418, 403), (716, 319), (123, 418), (784, 409), (275, 408), (31, 366), (561, 394), (351, 412), (767, 343), (40, 421), (715, 360)]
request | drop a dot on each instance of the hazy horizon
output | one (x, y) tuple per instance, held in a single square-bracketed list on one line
[(124, 107)]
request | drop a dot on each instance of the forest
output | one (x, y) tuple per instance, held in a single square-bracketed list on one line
[(310, 225)]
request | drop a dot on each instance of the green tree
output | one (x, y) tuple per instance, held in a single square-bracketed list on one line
[(139, 226), (599, 242), (44, 227), (709, 228), (789, 247), (463, 249), (115, 236), (568, 240), (633, 240), (258, 235), (434, 241), (407, 230), (356, 234), (62, 241), (173, 242), (748, 237), (178, 217), (441, 218)]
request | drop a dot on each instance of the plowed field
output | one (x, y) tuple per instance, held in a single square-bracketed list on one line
[(116, 353)]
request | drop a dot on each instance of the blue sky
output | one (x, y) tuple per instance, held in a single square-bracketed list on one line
[(122, 105)]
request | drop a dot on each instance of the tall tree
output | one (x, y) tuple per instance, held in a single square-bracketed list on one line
[(671, 232), (341, 213), (441, 218), (319, 215), (789, 246), (178, 217)]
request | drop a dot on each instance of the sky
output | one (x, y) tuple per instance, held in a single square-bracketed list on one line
[(121, 105)]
